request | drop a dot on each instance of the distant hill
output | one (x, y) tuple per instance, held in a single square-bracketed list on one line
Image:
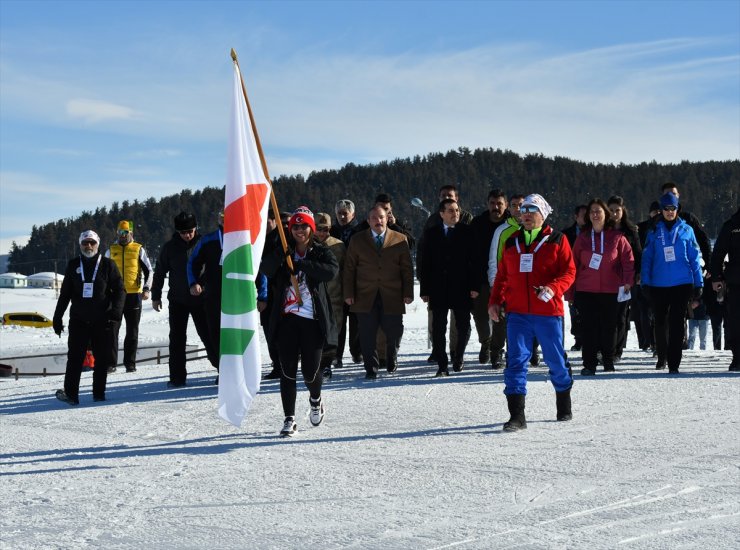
[(709, 189)]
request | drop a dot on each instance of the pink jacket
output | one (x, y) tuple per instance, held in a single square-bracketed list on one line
[(617, 266)]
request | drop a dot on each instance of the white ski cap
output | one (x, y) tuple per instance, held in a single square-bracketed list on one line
[(539, 201), (89, 235)]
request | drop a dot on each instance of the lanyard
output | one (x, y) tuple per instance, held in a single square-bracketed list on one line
[(95, 273), (674, 232), (518, 249), (593, 244)]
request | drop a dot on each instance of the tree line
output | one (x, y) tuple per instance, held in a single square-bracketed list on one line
[(709, 189)]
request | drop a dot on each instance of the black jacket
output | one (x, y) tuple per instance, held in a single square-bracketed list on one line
[(631, 233), (343, 232), (319, 266), (483, 230), (701, 235), (435, 220), (448, 274), (173, 259), (571, 233), (204, 264), (727, 244), (106, 303)]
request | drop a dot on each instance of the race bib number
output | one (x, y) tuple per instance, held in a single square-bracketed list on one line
[(670, 253), (526, 261), (87, 290), (595, 261)]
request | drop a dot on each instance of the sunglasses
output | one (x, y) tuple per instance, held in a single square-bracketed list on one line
[(669, 208), (322, 228), (302, 226), (529, 209), (88, 243), (123, 232)]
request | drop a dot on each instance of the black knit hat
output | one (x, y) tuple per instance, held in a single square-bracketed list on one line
[(185, 221)]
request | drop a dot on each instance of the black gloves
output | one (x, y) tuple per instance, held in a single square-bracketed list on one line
[(58, 326), (696, 295)]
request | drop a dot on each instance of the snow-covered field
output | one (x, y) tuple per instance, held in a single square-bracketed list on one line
[(407, 461)]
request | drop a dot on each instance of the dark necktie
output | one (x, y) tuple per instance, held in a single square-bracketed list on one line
[(379, 242)]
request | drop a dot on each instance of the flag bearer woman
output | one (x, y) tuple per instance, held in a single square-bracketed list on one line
[(301, 318)]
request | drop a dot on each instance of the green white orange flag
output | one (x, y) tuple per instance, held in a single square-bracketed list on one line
[(245, 220)]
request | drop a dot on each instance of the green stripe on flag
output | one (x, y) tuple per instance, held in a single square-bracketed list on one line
[(239, 295), (234, 341)]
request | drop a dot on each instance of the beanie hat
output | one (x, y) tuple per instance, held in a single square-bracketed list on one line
[(537, 200), (655, 205), (125, 225), (185, 221), (322, 218), (669, 199), (89, 235), (302, 215)]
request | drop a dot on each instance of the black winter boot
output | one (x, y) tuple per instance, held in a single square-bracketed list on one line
[(516, 410), (562, 401)]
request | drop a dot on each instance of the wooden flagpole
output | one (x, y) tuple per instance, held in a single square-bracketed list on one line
[(273, 200)]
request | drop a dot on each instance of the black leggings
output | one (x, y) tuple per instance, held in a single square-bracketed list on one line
[(299, 337)]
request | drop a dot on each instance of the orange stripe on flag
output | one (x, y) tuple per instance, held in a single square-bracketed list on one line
[(244, 213)]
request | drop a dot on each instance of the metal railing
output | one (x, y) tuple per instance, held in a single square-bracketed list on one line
[(158, 358)]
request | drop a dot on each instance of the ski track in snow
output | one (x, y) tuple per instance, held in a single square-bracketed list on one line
[(408, 461)]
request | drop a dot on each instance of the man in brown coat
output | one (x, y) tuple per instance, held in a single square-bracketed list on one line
[(378, 283)]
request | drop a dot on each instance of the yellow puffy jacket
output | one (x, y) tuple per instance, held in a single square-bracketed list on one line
[(126, 259)]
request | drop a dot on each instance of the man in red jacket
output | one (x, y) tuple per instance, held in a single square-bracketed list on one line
[(535, 271)]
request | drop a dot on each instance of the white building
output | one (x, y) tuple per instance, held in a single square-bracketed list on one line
[(45, 279), (13, 280)]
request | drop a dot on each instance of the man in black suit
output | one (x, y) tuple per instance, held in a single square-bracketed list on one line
[(449, 281)]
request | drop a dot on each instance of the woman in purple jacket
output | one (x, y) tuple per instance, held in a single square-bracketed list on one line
[(604, 262)]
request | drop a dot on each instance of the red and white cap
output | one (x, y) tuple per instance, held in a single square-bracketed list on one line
[(302, 215)]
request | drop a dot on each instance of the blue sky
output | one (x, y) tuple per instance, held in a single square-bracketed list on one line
[(105, 101)]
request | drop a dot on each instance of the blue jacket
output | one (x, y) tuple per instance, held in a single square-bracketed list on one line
[(686, 269)]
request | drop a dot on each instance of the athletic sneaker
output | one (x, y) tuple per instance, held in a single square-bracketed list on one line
[(317, 411), (289, 427)]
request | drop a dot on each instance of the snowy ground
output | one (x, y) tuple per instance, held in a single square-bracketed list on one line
[(408, 461)]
